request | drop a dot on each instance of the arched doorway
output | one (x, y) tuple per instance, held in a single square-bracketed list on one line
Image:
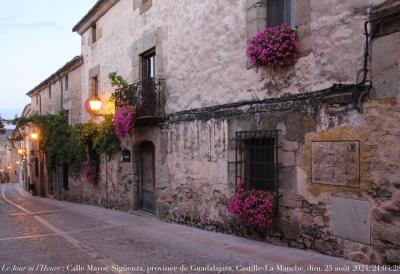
[(147, 177)]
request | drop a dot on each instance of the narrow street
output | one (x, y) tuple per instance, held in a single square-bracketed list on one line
[(42, 235)]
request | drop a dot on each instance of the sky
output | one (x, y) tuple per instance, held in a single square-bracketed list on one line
[(36, 39)]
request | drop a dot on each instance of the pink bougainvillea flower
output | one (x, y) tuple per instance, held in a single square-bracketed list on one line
[(124, 120), (254, 207), (275, 46)]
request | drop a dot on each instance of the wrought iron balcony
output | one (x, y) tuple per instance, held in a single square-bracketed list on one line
[(147, 95)]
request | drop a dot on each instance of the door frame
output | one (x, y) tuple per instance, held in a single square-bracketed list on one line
[(141, 150)]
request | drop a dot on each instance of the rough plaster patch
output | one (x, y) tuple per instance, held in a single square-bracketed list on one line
[(336, 163)]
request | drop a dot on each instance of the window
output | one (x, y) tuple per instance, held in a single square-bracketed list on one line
[(65, 175), (66, 82), (94, 33), (149, 95), (281, 11), (257, 159), (149, 65), (94, 85), (37, 99), (40, 104), (49, 92)]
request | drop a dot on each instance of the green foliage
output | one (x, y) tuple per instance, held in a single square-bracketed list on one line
[(117, 80), (106, 140), (68, 145), (60, 145), (85, 132), (58, 140)]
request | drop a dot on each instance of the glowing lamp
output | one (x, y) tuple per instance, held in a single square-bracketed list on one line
[(35, 136), (21, 151), (18, 162), (9, 167), (95, 104)]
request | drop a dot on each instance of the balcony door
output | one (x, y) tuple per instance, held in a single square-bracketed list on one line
[(149, 65), (148, 104)]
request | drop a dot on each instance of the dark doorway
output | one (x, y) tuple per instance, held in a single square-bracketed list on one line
[(50, 182), (147, 177), (42, 180), (65, 177)]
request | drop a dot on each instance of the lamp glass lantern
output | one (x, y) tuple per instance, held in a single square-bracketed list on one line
[(95, 104), (35, 136)]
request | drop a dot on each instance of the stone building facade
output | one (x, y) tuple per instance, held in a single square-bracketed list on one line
[(60, 91), (329, 124), (24, 156), (9, 166)]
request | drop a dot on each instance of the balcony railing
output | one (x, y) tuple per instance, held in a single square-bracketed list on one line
[(147, 95)]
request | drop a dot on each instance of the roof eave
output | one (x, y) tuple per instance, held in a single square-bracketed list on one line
[(77, 61), (98, 10)]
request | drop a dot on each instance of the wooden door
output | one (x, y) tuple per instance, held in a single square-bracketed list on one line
[(147, 178)]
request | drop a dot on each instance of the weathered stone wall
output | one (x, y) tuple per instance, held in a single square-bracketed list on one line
[(200, 49), (201, 184), (103, 193), (197, 164)]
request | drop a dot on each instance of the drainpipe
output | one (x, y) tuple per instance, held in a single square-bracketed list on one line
[(62, 91)]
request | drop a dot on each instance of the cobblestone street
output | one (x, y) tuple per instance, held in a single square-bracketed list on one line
[(58, 237)]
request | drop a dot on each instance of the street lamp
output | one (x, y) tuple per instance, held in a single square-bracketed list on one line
[(95, 104), (21, 151), (35, 136), (18, 162)]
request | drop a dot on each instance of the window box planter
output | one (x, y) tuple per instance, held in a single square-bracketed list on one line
[(274, 47), (253, 207)]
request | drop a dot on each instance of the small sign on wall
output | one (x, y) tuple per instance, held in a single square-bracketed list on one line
[(126, 156)]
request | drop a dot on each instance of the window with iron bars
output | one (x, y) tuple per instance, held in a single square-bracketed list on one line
[(257, 159)]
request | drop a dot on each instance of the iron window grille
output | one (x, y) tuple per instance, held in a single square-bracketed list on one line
[(257, 160)]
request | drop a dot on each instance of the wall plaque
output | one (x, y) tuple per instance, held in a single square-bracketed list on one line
[(336, 163)]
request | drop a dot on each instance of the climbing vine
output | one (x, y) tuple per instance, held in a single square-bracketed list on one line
[(106, 141), (71, 145), (64, 144), (57, 139)]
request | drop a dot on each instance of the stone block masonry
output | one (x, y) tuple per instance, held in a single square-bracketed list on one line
[(332, 158)]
